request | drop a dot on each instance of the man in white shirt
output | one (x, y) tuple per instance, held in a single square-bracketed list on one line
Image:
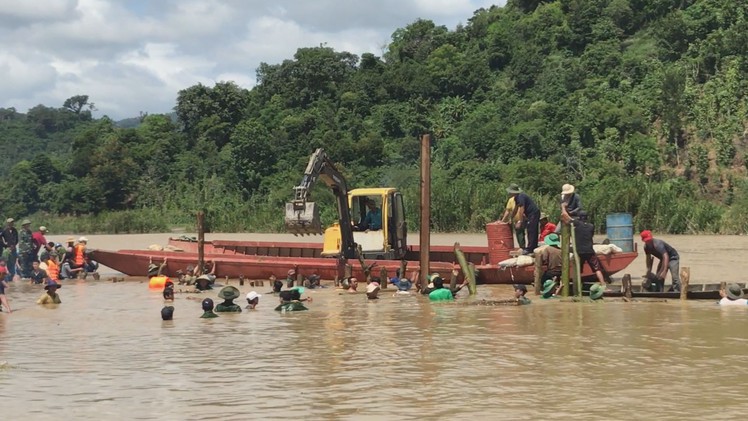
[(733, 296)]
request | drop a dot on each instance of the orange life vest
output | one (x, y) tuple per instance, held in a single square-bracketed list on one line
[(80, 250), (53, 270), (158, 281)]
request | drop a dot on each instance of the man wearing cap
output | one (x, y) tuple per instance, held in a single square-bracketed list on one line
[(584, 233), (733, 296), (39, 240), (9, 238), (26, 248), (571, 204), (667, 255), (253, 298), (529, 214)]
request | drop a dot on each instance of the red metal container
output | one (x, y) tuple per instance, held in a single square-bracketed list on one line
[(500, 241)]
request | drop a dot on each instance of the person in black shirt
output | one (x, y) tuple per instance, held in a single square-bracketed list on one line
[(583, 234), (668, 256), (530, 216)]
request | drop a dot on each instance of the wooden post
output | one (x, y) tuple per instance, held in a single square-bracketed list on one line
[(626, 281), (403, 268), (538, 274), (348, 271), (577, 266), (466, 269), (452, 280), (565, 234), (685, 278), (383, 281), (201, 241), (425, 241)]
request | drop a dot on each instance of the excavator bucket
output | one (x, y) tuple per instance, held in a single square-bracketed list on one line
[(302, 218)]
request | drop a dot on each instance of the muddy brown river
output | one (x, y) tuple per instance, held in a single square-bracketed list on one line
[(105, 353)]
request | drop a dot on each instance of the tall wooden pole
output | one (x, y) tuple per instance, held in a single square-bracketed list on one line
[(565, 234), (201, 241), (425, 209)]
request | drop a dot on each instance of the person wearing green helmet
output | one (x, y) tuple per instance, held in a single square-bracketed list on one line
[(519, 294), (437, 291), (549, 289), (229, 294), (596, 292), (290, 300), (551, 257)]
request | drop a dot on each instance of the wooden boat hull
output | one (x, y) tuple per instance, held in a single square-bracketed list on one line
[(135, 263), (478, 255)]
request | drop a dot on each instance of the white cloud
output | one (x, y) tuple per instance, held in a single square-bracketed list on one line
[(135, 55)]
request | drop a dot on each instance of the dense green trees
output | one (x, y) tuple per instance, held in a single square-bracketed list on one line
[(641, 104)]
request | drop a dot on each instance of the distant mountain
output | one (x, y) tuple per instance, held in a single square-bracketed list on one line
[(133, 122)]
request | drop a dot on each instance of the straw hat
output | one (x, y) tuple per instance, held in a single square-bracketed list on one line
[(567, 189)]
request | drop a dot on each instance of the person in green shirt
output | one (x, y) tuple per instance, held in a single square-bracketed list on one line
[(208, 309), (229, 294), (519, 294), (439, 293), (51, 296), (290, 300)]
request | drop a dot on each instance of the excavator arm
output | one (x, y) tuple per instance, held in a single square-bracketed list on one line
[(302, 216)]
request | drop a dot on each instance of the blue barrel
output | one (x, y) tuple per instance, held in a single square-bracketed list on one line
[(620, 230)]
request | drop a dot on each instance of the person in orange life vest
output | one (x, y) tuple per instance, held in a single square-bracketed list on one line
[(156, 278), (80, 252), (51, 267)]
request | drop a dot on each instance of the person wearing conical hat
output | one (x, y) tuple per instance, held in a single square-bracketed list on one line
[(733, 296), (229, 294), (529, 216)]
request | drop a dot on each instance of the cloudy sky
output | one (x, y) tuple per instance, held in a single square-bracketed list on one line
[(134, 55)]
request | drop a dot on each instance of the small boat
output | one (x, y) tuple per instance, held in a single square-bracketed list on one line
[(695, 292)]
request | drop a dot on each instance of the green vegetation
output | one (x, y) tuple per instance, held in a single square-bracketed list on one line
[(639, 103)]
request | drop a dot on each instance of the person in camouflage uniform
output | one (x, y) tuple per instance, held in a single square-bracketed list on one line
[(26, 248), (229, 294)]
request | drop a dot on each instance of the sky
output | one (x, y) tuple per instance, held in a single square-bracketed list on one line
[(130, 56)]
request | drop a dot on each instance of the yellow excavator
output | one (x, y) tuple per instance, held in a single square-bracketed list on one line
[(350, 237)]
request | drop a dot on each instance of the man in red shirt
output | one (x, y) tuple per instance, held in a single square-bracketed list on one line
[(39, 241), (545, 227)]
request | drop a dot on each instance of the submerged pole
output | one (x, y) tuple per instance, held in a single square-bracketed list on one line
[(685, 278), (565, 234), (201, 241), (425, 233)]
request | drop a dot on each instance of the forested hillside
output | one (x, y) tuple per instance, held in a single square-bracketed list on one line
[(639, 103)]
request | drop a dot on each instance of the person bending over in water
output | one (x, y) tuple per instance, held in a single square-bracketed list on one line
[(733, 296), (51, 296), (519, 294), (208, 309), (372, 291), (253, 299), (229, 294)]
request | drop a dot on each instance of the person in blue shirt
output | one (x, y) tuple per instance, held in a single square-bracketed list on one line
[(373, 219)]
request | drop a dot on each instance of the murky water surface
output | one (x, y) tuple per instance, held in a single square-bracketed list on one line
[(105, 353)]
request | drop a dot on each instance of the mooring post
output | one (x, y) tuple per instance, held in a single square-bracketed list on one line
[(626, 282), (538, 273), (201, 241), (565, 234), (425, 241), (383, 281), (685, 278)]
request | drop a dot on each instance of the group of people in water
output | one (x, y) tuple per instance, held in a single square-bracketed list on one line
[(28, 256)]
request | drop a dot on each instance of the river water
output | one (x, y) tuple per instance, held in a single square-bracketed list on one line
[(105, 353)]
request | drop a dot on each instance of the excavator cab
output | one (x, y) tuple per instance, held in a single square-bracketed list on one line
[(385, 240)]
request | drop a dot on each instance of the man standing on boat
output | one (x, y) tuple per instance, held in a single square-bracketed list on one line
[(584, 233), (529, 216), (668, 256)]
